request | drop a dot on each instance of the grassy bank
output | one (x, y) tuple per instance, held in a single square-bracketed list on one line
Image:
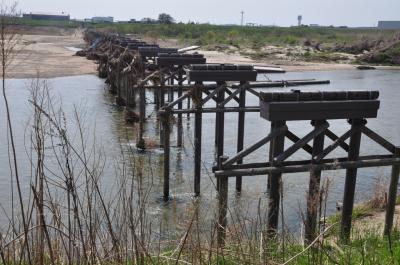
[(313, 44), (255, 36)]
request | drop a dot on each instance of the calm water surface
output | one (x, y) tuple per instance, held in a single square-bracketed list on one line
[(89, 95)]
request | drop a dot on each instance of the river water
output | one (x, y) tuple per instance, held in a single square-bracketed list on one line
[(89, 94)]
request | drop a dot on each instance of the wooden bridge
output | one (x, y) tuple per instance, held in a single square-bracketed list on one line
[(133, 67)]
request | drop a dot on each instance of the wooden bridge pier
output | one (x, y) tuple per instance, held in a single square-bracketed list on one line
[(209, 73), (317, 107)]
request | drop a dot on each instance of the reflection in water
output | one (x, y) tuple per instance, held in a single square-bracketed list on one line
[(118, 140)]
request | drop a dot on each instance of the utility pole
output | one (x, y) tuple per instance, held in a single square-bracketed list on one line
[(242, 18)]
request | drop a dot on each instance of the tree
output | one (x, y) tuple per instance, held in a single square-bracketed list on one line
[(164, 18), (233, 35)]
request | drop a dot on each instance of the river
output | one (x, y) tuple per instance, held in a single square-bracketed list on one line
[(89, 94)]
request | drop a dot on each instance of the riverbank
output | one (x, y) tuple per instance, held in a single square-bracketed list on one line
[(49, 54)]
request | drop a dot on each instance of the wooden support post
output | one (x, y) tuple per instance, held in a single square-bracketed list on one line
[(165, 119), (132, 93), (277, 146), (222, 205), (162, 89), (120, 101), (197, 139), (314, 187), (240, 140), (188, 105), (171, 90), (391, 204), (219, 126), (156, 98), (162, 103), (142, 116), (350, 183), (180, 92)]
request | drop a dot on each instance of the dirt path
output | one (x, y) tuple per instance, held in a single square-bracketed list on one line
[(50, 56)]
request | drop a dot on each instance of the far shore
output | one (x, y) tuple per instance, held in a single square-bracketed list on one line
[(50, 56)]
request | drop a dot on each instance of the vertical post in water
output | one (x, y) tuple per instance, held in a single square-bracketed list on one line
[(277, 146), (188, 105), (162, 103), (314, 187), (165, 118), (171, 89), (391, 204), (220, 124), (241, 121), (350, 183), (142, 116), (156, 98), (198, 94), (222, 204), (162, 89), (180, 92)]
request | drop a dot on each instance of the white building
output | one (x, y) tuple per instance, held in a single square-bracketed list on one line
[(102, 19), (389, 25)]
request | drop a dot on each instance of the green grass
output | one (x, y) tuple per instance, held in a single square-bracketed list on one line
[(208, 34), (233, 35), (46, 23)]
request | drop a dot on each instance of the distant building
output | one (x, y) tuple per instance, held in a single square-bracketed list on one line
[(389, 24), (47, 16), (250, 24), (299, 19), (102, 19)]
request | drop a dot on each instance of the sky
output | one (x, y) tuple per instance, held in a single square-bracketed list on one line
[(278, 12)]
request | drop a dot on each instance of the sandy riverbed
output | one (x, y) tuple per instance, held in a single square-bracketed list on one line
[(50, 56), (48, 52)]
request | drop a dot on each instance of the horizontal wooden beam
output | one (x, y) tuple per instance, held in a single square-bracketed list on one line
[(307, 168), (213, 110), (295, 163), (255, 146)]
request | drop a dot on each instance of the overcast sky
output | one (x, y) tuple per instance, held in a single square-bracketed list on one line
[(266, 12)]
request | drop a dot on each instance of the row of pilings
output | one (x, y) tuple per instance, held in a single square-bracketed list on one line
[(131, 66)]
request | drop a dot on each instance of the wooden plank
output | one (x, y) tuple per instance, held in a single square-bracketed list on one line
[(292, 137), (342, 142), (222, 75), (306, 168), (166, 127), (179, 61), (313, 196), (299, 96), (302, 142), (350, 182), (297, 162), (277, 145), (256, 146), (379, 139), (241, 126), (179, 141), (318, 110), (197, 143), (392, 198), (334, 145), (222, 206)]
